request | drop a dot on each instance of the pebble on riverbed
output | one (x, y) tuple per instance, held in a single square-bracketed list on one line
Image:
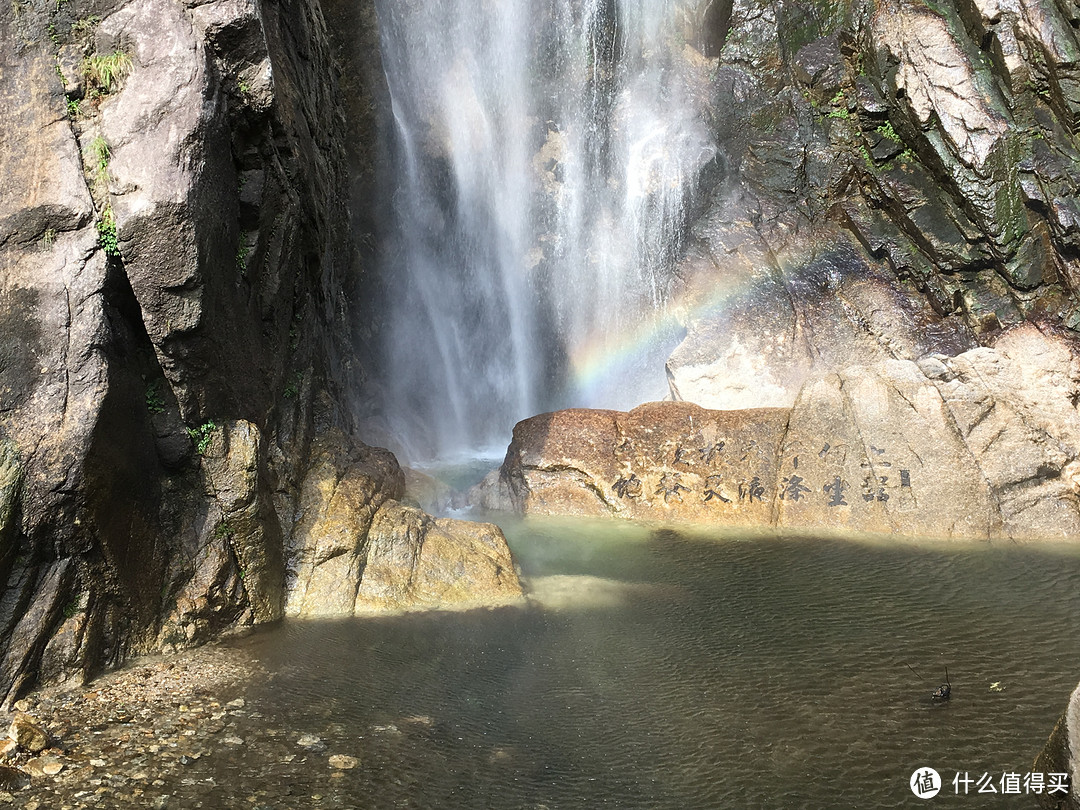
[(125, 734), (27, 734), (342, 762)]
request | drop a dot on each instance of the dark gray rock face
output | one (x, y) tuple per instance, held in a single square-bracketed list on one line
[(176, 320), (898, 185), (174, 253)]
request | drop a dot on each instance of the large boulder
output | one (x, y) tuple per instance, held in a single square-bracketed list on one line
[(981, 445), (415, 561), (659, 460), (356, 549)]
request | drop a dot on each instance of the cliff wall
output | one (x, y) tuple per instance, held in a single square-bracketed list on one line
[(181, 337)]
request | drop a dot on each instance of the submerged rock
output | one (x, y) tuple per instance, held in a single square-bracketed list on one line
[(585, 592), (343, 762)]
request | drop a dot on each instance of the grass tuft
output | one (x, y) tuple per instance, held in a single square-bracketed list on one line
[(106, 69)]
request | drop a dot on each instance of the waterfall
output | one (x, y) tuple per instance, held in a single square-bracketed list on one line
[(544, 153)]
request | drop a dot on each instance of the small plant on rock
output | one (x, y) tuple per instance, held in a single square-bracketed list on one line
[(85, 25), (201, 436), (839, 101), (99, 158), (242, 254), (107, 238), (886, 131), (155, 403), (48, 238), (293, 387), (106, 69)]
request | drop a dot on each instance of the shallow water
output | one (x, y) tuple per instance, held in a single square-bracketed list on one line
[(659, 670)]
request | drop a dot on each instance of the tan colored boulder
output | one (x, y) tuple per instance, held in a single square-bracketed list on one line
[(879, 444), (979, 446), (1014, 406), (357, 549), (345, 485), (28, 734), (1061, 754), (661, 460), (415, 561), (429, 493)]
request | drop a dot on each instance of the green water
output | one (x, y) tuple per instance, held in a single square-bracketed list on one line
[(659, 670)]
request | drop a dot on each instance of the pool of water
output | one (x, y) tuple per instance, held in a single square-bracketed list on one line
[(654, 669)]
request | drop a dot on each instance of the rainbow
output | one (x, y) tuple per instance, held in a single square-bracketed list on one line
[(601, 362)]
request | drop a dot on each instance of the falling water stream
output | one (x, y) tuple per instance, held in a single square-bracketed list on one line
[(544, 160)]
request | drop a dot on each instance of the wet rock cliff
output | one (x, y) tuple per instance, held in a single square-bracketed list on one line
[(881, 260), (180, 334), (905, 188), (885, 261)]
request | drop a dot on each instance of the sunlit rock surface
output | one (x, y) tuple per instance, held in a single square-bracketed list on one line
[(980, 445), (356, 549), (761, 322)]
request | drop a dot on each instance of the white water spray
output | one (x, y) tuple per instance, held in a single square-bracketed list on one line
[(544, 157)]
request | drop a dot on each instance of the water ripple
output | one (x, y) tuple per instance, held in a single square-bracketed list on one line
[(664, 671)]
